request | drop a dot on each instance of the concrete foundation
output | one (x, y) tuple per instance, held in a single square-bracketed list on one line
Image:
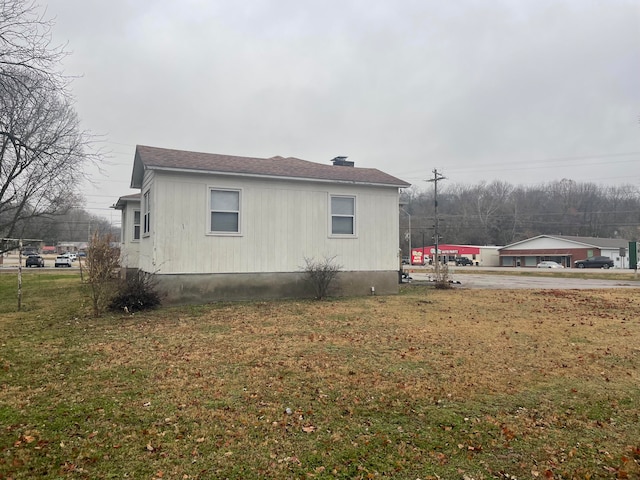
[(178, 289)]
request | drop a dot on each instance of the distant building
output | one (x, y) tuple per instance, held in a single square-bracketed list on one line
[(480, 255), (564, 250), (72, 247)]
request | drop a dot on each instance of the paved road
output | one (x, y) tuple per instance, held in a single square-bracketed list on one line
[(478, 280), (10, 262)]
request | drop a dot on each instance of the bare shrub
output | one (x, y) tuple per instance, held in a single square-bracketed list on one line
[(321, 274), (439, 276), (136, 292), (102, 266), (442, 276)]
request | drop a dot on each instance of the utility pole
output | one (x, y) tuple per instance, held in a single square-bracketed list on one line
[(437, 176)]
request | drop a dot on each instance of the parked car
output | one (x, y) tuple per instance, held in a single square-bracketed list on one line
[(34, 261), (549, 264), (63, 261), (595, 262), (405, 260), (73, 256), (464, 261)]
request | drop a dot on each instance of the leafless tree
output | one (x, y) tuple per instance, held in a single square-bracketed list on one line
[(42, 148), (26, 46), (499, 213), (42, 151)]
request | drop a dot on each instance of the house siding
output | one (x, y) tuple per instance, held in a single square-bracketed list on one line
[(147, 241), (282, 222), (130, 248)]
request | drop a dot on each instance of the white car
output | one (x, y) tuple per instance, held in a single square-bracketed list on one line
[(63, 261), (549, 264)]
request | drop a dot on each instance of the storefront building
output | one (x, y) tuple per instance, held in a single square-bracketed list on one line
[(565, 250)]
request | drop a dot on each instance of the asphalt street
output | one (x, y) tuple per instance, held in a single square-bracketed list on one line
[(493, 281)]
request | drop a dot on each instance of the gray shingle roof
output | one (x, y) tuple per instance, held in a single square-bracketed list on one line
[(293, 168), (122, 201), (596, 242)]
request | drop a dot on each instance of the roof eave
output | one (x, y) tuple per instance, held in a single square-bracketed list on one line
[(122, 202)]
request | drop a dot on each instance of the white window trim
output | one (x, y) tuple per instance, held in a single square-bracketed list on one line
[(146, 214), (210, 232), (133, 225), (355, 217)]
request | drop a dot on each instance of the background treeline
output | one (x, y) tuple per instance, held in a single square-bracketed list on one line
[(76, 225), (499, 213)]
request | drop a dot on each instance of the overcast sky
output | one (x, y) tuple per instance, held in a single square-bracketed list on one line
[(525, 91)]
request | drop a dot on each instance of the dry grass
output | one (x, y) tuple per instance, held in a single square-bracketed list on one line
[(427, 384)]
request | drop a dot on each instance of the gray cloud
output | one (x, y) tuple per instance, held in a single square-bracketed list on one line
[(523, 91)]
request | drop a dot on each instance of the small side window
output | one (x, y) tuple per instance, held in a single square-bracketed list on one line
[(343, 215), (224, 211), (136, 224), (147, 212)]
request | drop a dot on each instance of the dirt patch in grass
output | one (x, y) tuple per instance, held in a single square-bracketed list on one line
[(427, 384)]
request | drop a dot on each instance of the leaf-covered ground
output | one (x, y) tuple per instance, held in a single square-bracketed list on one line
[(427, 384)]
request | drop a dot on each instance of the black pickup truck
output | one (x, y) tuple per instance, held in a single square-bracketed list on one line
[(463, 261)]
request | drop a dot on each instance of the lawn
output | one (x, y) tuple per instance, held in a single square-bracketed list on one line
[(428, 384)]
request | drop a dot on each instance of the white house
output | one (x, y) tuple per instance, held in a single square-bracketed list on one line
[(563, 249), (219, 227)]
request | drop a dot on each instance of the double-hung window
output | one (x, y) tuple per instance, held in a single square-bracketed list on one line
[(136, 224), (224, 211), (147, 212), (343, 215)]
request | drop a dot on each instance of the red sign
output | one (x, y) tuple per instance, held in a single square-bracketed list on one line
[(446, 249)]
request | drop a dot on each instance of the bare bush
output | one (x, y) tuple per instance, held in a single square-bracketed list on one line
[(321, 274), (135, 293), (442, 276), (102, 266)]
